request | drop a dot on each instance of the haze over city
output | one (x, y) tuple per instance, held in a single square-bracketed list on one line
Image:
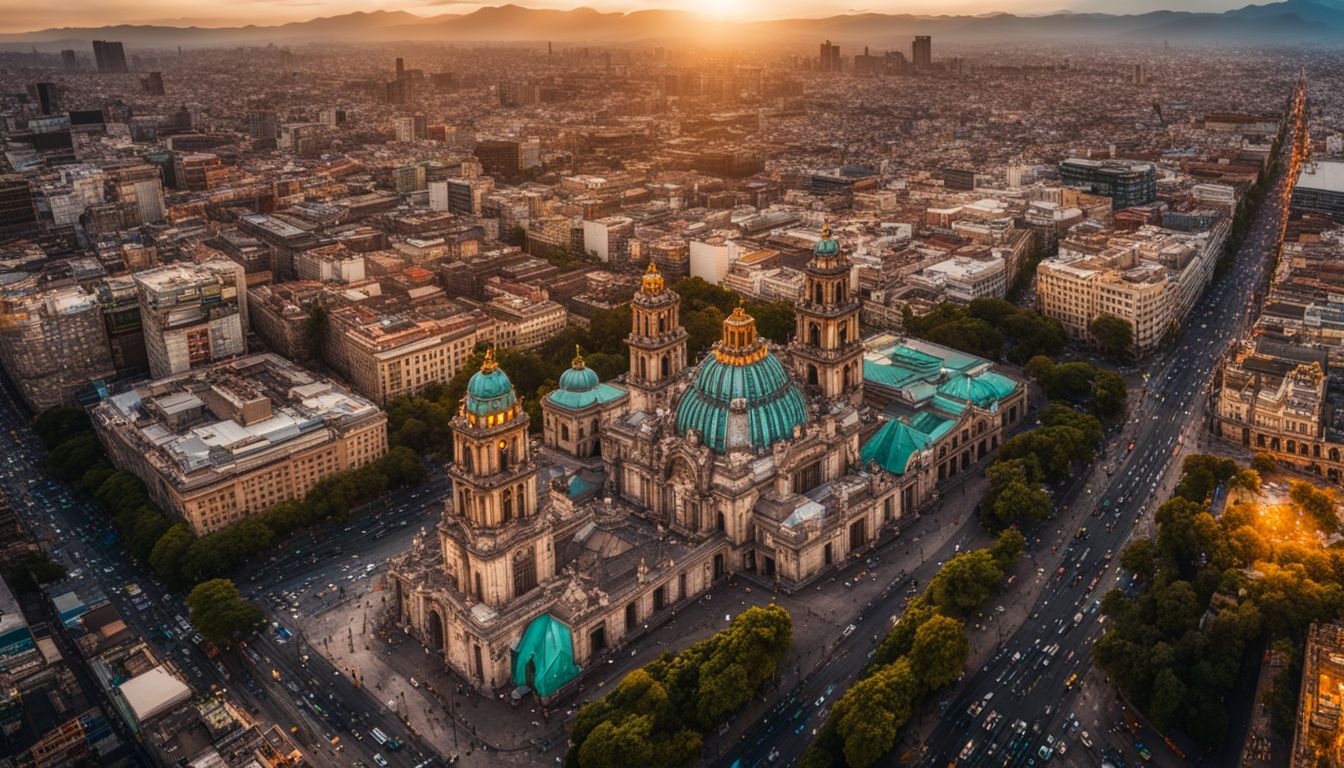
[(719, 384)]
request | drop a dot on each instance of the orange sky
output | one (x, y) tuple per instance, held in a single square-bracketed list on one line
[(21, 15)]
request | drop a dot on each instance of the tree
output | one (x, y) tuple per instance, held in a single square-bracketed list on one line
[(964, 582), (775, 320), (1019, 502), (939, 652), (168, 552), (1109, 395), (1264, 463), (1139, 558), (1039, 368), (315, 328), (1114, 336), (56, 425), (1317, 503), (1007, 548), (872, 712), (221, 613)]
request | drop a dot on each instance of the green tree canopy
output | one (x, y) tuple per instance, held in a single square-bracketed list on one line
[(221, 613), (1114, 336)]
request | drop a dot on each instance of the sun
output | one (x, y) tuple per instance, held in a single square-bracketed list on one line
[(720, 9)]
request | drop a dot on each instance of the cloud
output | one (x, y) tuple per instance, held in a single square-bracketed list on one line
[(451, 2)]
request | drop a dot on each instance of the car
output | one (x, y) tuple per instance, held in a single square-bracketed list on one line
[(1086, 739), (1072, 681), (849, 630), (379, 759), (967, 750), (1143, 751)]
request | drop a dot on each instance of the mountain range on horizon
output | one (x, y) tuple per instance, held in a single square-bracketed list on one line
[(1284, 22)]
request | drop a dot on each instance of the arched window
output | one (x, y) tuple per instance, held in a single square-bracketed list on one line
[(466, 459), (839, 291), (643, 368), (844, 334), (812, 374), (817, 294), (506, 505), (667, 366), (564, 431), (814, 334), (662, 325), (503, 456)]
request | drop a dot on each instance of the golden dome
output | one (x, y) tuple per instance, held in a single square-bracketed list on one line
[(653, 280)]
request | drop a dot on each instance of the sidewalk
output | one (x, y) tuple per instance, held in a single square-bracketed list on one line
[(355, 634)]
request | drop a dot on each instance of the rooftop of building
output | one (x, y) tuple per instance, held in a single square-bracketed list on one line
[(215, 421), (1322, 175)]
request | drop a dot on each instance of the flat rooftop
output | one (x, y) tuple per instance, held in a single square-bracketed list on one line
[(1325, 176)]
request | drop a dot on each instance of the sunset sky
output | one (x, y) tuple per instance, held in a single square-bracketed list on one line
[(22, 15)]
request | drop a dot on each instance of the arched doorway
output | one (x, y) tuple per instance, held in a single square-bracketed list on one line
[(434, 630)]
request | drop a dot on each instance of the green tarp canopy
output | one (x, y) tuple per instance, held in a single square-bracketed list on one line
[(548, 645)]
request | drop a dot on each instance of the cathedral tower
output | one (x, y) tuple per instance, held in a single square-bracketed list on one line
[(493, 539), (827, 350), (657, 341)]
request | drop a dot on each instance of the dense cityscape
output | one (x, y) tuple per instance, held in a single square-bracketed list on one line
[(921, 400)]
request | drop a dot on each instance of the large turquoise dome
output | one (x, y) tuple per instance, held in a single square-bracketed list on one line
[(489, 390), (741, 369)]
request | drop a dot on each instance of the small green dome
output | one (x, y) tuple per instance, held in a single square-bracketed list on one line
[(489, 389), (827, 245), (578, 377)]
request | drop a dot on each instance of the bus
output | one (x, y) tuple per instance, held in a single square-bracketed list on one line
[(378, 736)]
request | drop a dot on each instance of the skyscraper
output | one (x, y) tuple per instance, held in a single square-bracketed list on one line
[(47, 96), (830, 57), (152, 83), (109, 55), (69, 60), (921, 51)]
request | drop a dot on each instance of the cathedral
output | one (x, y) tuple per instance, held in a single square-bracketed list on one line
[(771, 463)]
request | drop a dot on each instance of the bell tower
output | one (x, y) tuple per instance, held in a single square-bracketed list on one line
[(827, 350), (494, 540), (657, 341)]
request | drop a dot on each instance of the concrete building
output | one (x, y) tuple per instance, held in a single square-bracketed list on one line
[(1320, 187), (218, 444), (192, 314), (1319, 702), (53, 343), (963, 278), (524, 322), (386, 356), (329, 264), (608, 238)]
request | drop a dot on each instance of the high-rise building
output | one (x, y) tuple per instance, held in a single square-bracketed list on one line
[(47, 96), (921, 51), (110, 56), (830, 57), (16, 203), (69, 60), (193, 314), (1140, 74), (263, 125)]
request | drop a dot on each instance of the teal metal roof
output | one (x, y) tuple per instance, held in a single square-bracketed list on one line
[(578, 400), (578, 379), (931, 424), (774, 404), (1002, 385), (948, 405), (893, 445), (578, 486), (545, 656), (827, 245), (489, 392), (970, 389), (894, 376)]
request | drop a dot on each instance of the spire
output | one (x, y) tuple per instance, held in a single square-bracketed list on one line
[(577, 363), (489, 365), (653, 280)]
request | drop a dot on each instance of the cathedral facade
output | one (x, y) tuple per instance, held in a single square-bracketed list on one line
[(766, 462)]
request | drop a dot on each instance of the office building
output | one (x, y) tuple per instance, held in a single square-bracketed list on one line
[(218, 444), (830, 57), (69, 60), (387, 355), (17, 211), (1320, 188), (192, 314), (47, 96), (109, 56), (921, 51), (1126, 182)]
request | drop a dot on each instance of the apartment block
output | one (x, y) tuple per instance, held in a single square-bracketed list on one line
[(217, 444), (53, 343), (192, 314), (387, 355)]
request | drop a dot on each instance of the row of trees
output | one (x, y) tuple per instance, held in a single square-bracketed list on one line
[(1210, 589), (658, 714), (1029, 462), (925, 650), (176, 554), (421, 422), (1102, 392), (990, 328)]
